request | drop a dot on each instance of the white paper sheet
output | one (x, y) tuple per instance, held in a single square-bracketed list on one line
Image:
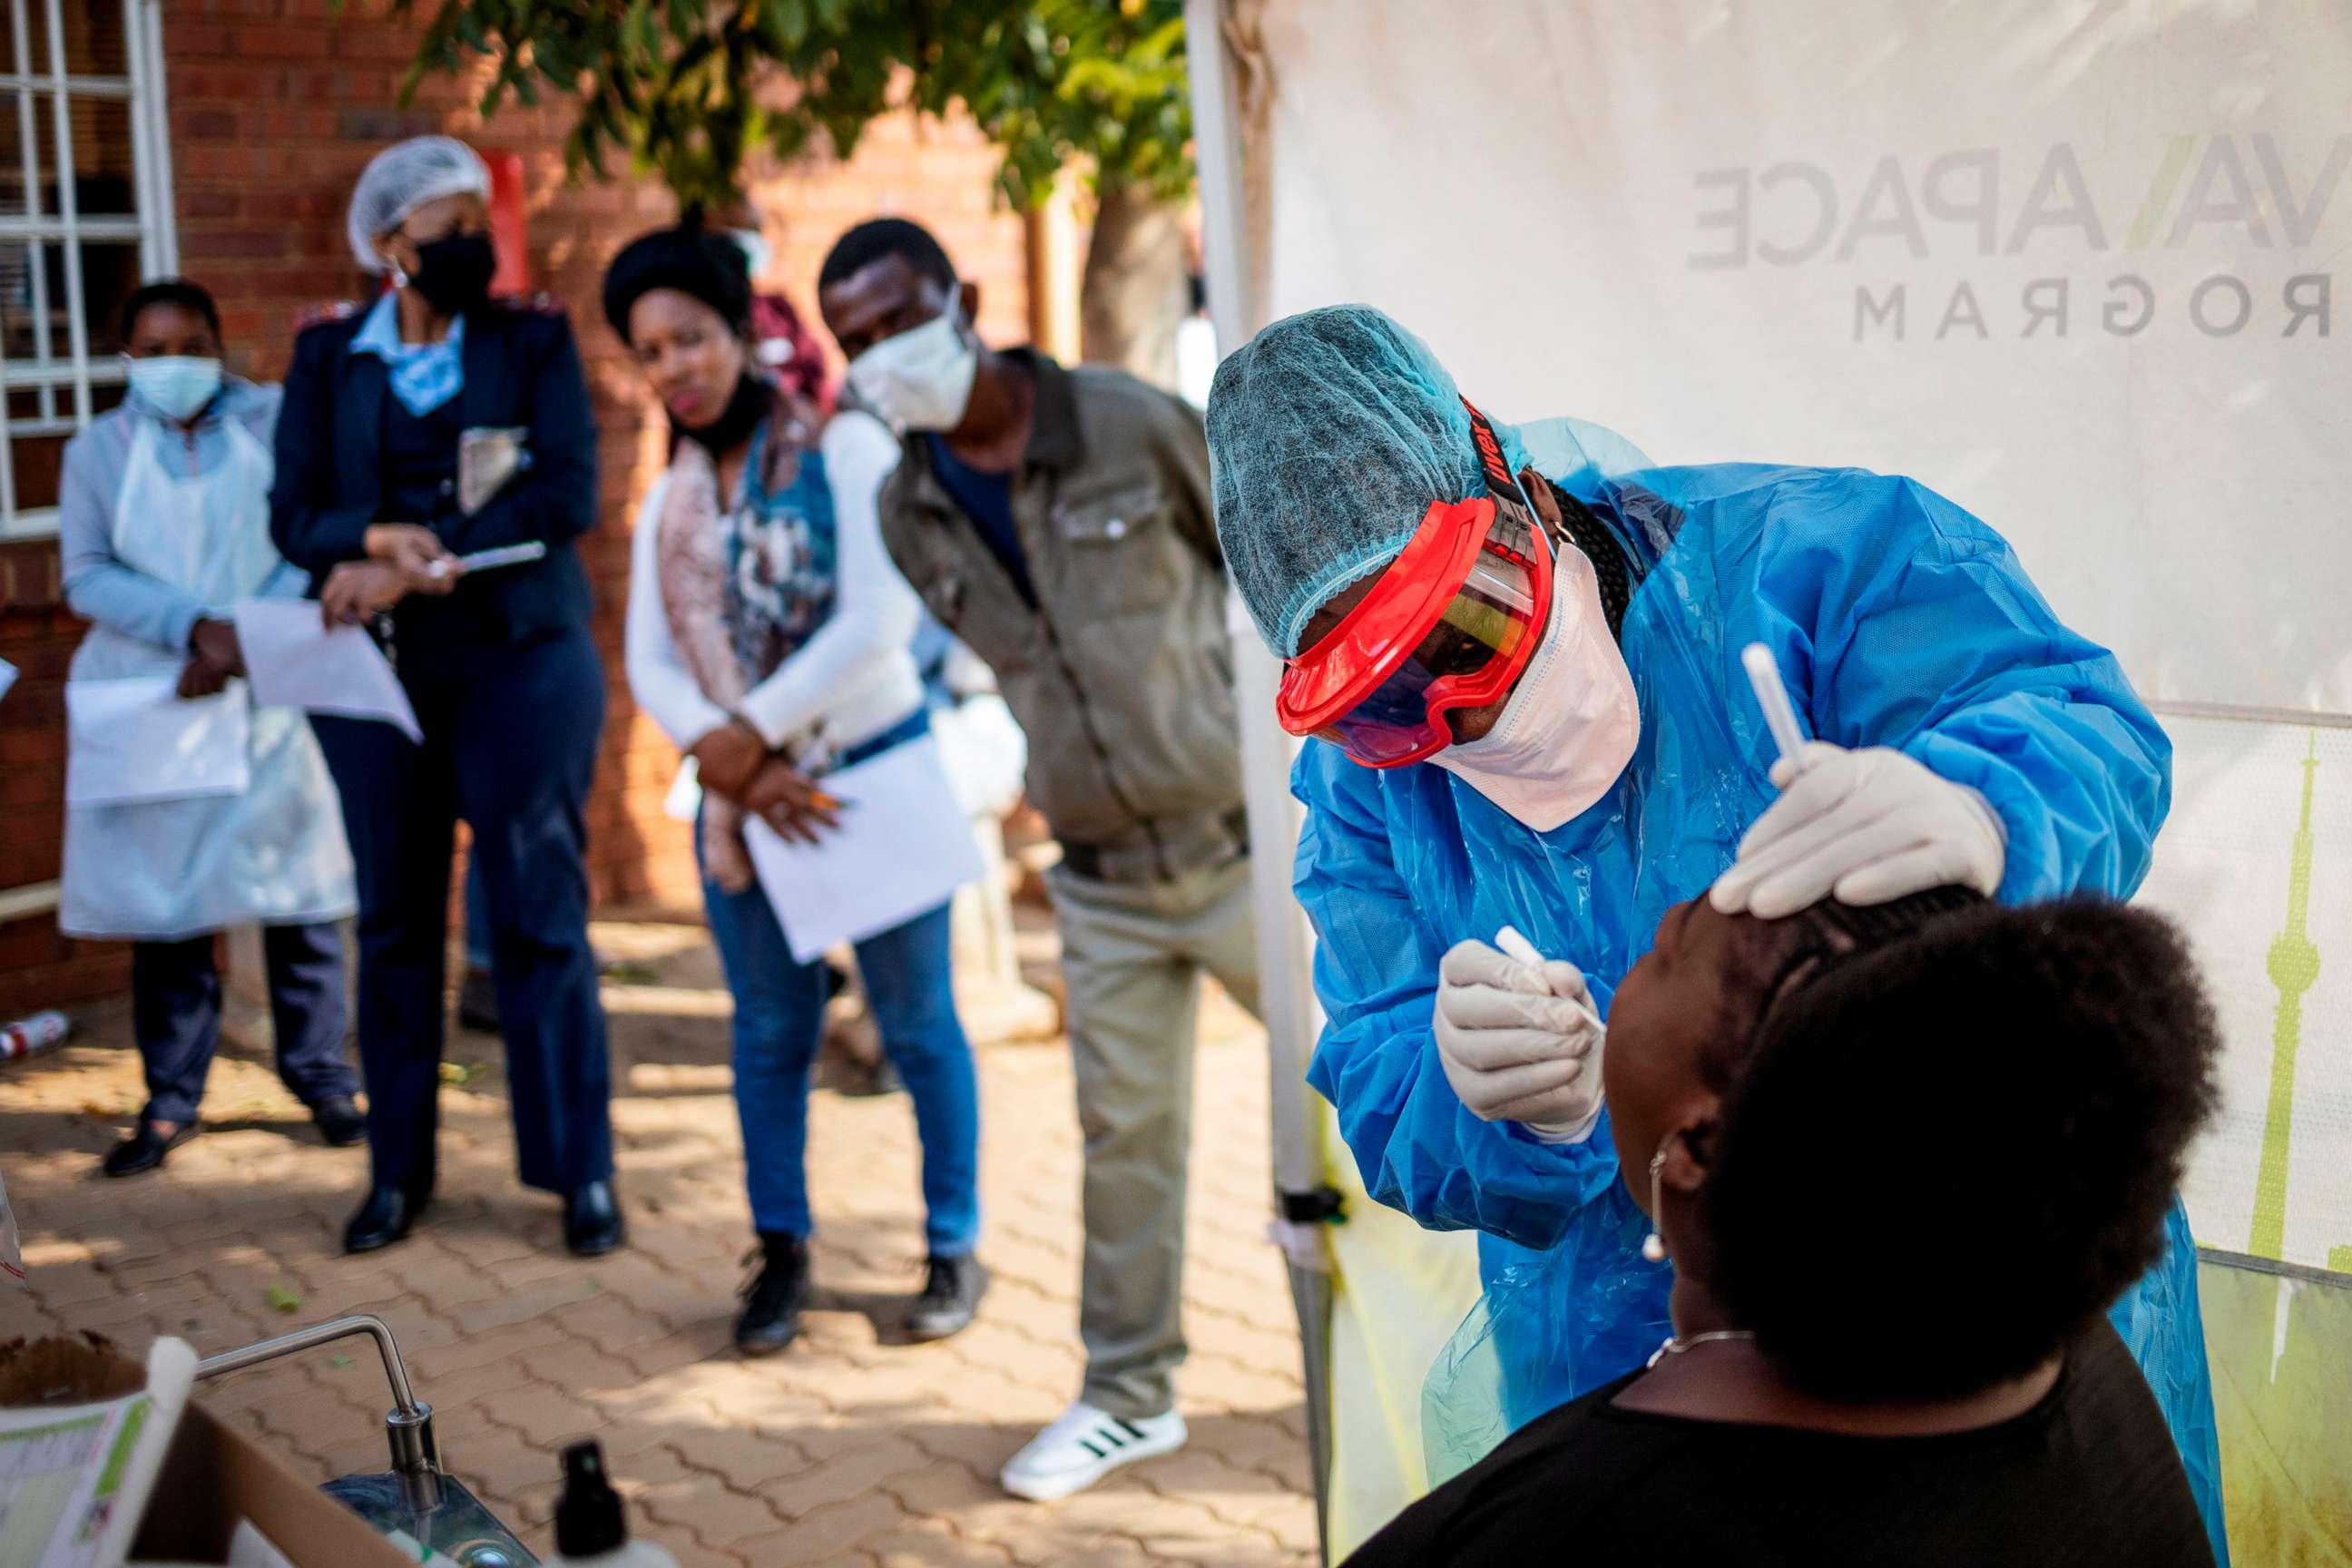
[(683, 801), (248, 1548), (294, 661), (74, 1479), (135, 739), (904, 846)]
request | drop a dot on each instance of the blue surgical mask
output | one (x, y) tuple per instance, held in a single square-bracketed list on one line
[(175, 385)]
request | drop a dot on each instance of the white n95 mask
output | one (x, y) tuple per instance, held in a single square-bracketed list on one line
[(175, 385), (1570, 726), (922, 379)]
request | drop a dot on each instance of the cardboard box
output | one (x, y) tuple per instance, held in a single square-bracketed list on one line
[(212, 1478)]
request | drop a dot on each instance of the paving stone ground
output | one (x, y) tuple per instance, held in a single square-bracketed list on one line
[(852, 1448)]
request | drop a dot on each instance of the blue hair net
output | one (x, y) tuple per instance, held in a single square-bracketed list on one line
[(1330, 433)]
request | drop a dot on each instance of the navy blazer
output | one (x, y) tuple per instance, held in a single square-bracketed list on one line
[(522, 369)]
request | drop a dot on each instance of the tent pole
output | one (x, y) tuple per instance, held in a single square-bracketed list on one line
[(1284, 976)]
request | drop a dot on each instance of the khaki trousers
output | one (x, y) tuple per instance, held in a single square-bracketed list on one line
[(1132, 957)]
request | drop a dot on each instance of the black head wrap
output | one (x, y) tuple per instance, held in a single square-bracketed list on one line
[(709, 266)]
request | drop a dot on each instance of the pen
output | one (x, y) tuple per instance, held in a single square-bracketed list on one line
[(483, 560)]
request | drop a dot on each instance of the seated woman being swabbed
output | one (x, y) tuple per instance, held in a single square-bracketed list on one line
[(1890, 1332)]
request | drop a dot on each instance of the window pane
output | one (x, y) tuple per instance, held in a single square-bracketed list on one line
[(109, 272), (94, 38), (12, 156), (103, 168), (104, 164), (19, 327)]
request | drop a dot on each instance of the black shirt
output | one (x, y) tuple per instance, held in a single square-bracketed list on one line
[(419, 465), (420, 461), (2088, 1476)]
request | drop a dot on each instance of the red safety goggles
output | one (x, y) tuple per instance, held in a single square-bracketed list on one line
[(1450, 623)]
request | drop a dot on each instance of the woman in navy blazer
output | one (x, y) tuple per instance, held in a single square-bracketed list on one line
[(432, 425)]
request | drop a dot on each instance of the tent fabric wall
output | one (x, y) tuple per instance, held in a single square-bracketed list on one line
[(1400, 1292), (2077, 265)]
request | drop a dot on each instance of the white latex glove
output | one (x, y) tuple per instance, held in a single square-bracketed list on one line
[(1868, 825), (1517, 1043)]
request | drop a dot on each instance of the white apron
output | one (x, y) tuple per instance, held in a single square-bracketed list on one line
[(275, 854)]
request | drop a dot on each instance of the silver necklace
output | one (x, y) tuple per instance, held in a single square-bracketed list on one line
[(1677, 1346)]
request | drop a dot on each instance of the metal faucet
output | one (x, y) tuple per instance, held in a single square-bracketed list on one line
[(408, 1424)]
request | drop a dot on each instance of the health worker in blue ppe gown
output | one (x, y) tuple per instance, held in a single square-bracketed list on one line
[(1554, 627)]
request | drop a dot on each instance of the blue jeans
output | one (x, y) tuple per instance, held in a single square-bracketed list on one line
[(779, 1022)]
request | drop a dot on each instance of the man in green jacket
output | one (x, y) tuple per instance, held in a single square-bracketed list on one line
[(1058, 520)]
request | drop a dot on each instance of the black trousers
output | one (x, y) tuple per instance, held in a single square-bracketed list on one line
[(510, 733), (175, 1011)]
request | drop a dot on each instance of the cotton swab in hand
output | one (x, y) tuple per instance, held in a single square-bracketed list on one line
[(1516, 946), (1772, 696)]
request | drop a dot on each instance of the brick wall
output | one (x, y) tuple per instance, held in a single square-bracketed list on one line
[(274, 109)]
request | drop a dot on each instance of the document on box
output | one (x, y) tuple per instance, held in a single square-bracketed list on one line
[(74, 1480)]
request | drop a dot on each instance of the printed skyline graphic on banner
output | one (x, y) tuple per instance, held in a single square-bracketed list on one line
[(2251, 864), (2293, 967)]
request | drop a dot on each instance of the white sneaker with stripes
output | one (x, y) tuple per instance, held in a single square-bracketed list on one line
[(1083, 1447)]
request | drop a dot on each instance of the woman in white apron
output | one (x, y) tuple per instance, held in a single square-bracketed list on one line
[(188, 809)]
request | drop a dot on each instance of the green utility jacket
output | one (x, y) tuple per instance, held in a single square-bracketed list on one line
[(1122, 672)]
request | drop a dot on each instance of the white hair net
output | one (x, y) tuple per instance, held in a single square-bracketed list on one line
[(403, 177)]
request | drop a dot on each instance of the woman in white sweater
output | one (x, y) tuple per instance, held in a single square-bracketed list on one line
[(767, 635)]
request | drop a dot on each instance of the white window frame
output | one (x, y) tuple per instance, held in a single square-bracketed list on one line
[(63, 384)]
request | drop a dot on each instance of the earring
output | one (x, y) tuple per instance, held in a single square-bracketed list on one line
[(1654, 1246)]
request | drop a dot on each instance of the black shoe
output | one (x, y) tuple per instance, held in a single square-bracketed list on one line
[(340, 1121), (144, 1149), (773, 1299), (861, 1081), (477, 1002), (950, 1298), (386, 1217), (592, 1225)]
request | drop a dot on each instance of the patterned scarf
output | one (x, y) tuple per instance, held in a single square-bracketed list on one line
[(743, 587)]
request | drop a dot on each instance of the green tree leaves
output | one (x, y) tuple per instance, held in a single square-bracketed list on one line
[(687, 89)]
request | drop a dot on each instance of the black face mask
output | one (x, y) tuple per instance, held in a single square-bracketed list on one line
[(744, 410), (454, 274)]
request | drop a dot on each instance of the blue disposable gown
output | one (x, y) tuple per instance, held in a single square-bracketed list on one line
[(1898, 620)]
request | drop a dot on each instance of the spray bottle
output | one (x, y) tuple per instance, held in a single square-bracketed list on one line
[(591, 1531)]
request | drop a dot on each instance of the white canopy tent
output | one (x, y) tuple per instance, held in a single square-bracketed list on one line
[(2078, 266)]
